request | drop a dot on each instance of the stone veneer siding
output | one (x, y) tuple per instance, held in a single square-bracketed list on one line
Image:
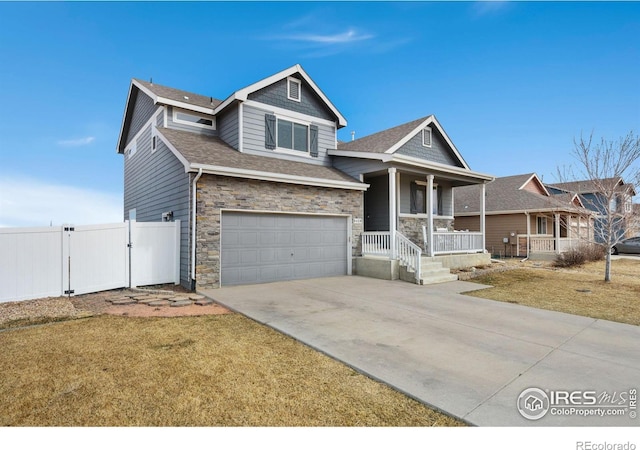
[(216, 193), (411, 227)]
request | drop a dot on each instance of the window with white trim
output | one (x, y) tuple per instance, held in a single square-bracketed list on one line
[(426, 137), (193, 119), (293, 135), (294, 89), (154, 140), (541, 225), (418, 198)]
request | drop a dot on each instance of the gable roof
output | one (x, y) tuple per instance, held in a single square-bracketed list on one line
[(390, 140), (243, 94), (214, 156), (506, 195), (382, 141), (176, 97), (591, 187)]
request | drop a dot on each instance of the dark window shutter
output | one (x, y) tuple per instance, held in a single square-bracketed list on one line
[(270, 131), (439, 195), (313, 141)]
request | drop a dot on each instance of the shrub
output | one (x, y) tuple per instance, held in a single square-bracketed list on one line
[(580, 255), (570, 258), (595, 252)]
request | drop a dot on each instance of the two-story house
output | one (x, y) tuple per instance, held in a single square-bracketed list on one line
[(610, 198), (265, 191)]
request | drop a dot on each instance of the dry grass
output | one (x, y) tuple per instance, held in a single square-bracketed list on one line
[(579, 291), (188, 371)]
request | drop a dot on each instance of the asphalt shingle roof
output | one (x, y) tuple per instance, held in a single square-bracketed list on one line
[(589, 186), (383, 140), (504, 194), (213, 151), (179, 95)]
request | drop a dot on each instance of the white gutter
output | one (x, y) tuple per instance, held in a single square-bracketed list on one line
[(279, 177), (193, 226)]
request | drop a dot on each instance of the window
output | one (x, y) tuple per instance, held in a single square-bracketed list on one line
[(283, 134), (542, 225), (293, 89), (418, 198), (293, 136), (189, 118), (426, 137), (436, 200)]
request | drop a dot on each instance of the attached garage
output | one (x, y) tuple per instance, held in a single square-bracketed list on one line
[(265, 247)]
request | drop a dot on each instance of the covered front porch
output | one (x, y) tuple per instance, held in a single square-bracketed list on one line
[(408, 216), (569, 231)]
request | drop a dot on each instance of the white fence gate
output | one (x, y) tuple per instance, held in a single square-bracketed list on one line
[(68, 260)]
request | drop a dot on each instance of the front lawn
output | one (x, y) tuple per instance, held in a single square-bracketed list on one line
[(580, 291), (188, 371)]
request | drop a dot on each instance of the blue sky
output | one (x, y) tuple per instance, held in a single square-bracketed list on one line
[(512, 83)]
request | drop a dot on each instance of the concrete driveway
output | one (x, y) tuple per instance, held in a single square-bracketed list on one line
[(469, 357)]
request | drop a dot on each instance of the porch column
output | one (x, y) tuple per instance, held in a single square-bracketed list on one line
[(392, 211), (556, 218), (430, 213), (482, 214), (528, 234), (579, 228)]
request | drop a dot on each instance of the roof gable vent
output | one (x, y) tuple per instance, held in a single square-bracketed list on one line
[(293, 89)]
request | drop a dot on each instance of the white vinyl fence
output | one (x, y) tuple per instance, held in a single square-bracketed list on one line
[(73, 260)]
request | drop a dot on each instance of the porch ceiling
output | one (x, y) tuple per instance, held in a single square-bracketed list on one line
[(455, 180)]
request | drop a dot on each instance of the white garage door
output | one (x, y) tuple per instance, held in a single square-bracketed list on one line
[(260, 248)]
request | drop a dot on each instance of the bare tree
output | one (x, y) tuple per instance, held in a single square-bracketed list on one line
[(608, 172)]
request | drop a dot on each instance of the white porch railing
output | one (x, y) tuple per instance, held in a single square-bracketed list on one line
[(409, 254), (447, 242), (376, 243), (547, 244)]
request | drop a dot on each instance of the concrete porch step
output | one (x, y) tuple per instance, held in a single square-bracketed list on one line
[(431, 272), (444, 278)]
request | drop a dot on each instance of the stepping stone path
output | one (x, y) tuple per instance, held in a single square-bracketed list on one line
[(158, 299)]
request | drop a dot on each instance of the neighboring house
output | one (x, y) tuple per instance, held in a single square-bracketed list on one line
[(264, 191), (523, 218), (593, 198)]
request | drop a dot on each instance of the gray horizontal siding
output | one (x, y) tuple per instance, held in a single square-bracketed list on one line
[(254, 139), (310, 103), (143, 108), (228, 126), (155, 183), (190, 128), (438, 152)]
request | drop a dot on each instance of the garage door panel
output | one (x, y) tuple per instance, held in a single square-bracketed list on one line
[(258, 248), (284, 238), (250, 221), (230, 258), (268, 255), (248, 238), (267, 238)]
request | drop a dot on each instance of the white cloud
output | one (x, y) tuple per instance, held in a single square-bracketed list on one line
[(485, 8), (79, 142), (347, 37), (26, 203)]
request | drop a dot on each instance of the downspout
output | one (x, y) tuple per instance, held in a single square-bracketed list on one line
[(193, 228)]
